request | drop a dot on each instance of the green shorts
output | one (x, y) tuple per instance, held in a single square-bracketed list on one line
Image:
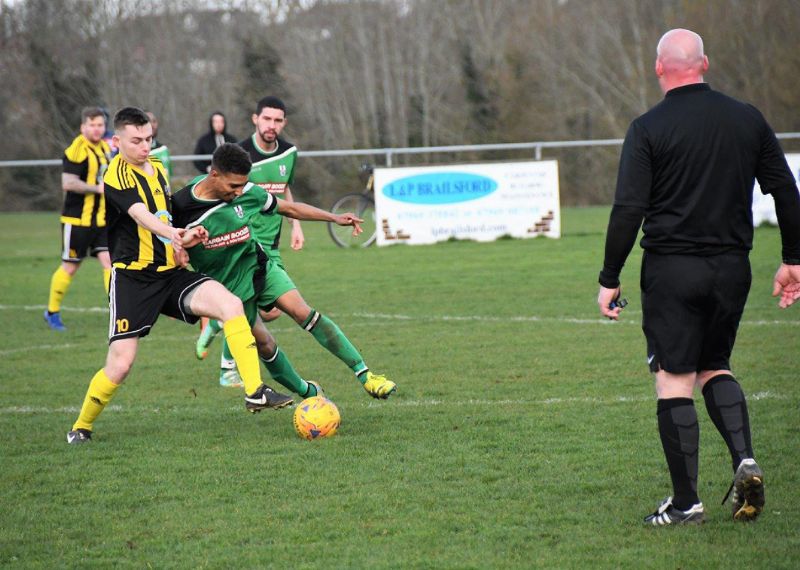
[(275, 256), (278, 283)]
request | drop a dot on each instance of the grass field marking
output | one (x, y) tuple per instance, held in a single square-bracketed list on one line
[(443, 318), (765, 395), (37, 347), (532, 319), (46, 410), (43, 307), (484, 318), (431, 402)]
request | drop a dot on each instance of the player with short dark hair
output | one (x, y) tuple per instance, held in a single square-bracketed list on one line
[(228, 207), (229, 159), (148, 277), (83, 215), (688, 167)]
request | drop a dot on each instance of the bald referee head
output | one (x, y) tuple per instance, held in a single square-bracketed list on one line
[(680, 59)]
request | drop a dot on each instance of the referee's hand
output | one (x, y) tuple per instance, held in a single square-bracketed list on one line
[(787, 285), (604, 299)]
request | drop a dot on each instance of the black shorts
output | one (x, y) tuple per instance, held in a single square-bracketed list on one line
[(691, 307), (78, 241), (136, 298)]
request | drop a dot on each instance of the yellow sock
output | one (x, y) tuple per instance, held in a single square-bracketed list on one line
[(100, 391), (107, 279), (242, 345), (58, 288)]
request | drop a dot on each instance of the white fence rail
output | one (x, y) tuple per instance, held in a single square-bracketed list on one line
[(389, 153)]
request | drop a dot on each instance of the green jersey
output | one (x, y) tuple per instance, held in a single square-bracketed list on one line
[(161, 152), (272, 172), (231, 256)]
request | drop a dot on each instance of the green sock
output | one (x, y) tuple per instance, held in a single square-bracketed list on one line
[(226, 352), (329, 335), (281, 369)]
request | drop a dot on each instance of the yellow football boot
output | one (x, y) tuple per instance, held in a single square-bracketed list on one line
[(378, 386)]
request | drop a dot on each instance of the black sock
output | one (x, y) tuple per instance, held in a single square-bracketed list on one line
[(680, 437), (727, 408)]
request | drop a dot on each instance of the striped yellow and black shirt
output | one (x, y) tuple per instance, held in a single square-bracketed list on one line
[(88, 161), (132, 246)]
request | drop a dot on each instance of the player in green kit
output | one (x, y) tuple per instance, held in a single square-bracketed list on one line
[(273, 161), (229, 208), (158, 149)]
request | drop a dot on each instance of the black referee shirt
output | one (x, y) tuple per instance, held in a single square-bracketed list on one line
[(691, 161)]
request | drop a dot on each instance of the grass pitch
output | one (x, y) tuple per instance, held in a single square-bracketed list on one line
[(523, 433)]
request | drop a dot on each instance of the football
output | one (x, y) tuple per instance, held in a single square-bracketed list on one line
[(316, 417)]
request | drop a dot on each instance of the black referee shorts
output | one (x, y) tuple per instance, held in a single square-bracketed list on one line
[(136, 298), (691, 307)]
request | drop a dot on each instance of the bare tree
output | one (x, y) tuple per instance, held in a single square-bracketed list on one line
[(367, 73)]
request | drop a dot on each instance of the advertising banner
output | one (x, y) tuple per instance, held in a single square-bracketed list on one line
[(764, 205), (480, 202)]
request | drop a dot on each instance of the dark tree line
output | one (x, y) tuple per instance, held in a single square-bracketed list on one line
[(371, 73)]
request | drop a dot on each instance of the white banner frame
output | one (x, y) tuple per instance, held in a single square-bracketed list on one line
[(473, 201)]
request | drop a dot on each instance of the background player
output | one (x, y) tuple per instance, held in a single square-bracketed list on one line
[(216, 135), (147, 280), (238, 266), (83, 215), (274, 162), (158, 149)]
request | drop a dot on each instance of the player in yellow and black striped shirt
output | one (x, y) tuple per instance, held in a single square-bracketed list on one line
[(83, 216), (148, 276)]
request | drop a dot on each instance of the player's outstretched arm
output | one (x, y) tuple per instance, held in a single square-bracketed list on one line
[(787, 285), (301, 211)]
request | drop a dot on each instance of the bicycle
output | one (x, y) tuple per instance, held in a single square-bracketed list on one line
[(362, 204)]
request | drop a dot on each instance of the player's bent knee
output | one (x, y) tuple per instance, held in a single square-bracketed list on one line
[(231, 307), (294, 305), (117, 369), (212, 299), (70, 267), (120, 358), (300, 313), (271, 315)]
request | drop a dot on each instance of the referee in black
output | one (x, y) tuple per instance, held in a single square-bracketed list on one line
[(687, 169)]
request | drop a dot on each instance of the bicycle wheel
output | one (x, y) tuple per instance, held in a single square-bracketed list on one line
[(362, 206)]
